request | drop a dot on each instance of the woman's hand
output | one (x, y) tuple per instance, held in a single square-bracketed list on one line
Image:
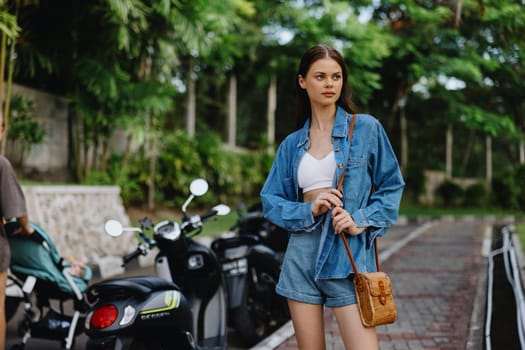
[(343, 222), (326, 200)]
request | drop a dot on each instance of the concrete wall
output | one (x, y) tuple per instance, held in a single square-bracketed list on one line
[(74, 218), (51, 112), (434, 178)]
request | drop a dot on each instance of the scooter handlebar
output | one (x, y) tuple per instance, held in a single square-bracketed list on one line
[(208, 215), (133, 255), (141, 250)]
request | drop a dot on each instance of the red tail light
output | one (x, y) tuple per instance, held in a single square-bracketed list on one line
[(104, 316)]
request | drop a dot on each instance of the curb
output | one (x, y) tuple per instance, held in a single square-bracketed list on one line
[(477, 318)]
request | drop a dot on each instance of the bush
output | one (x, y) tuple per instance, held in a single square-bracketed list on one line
[(233, 176), (450, 195), (476, 196), (415, 183), (508, 189)]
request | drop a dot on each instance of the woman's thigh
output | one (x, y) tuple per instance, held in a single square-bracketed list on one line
[(355, 335), (308, 323)]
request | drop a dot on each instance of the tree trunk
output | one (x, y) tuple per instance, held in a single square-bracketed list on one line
[(232, 112), (151, 154), (404, 141), (191, 102), (488, 159), (457, 17), (7, 100), (106, 153), (151, 182), (127, 151), (522, 152), (270, 117), (3, 49), (468, 151), (448, 151)]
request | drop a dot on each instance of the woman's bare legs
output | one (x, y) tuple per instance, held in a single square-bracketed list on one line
[(308, 323), (3, 282), (355, 335)]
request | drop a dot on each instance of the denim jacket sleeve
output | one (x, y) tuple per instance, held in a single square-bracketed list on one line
[(280, 193), (381, 211)]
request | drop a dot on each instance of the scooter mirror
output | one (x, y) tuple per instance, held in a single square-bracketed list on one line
[(113, 228), (222, 209), (198, 187)]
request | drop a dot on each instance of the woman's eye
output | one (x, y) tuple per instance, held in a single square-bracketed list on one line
[(336, 77), (319, 77)]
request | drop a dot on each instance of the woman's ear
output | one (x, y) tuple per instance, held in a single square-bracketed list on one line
[(300, 80)]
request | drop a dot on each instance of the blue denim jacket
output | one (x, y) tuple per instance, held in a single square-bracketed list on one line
[(370, 164)]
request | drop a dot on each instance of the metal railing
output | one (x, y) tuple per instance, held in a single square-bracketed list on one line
[(512, 272)]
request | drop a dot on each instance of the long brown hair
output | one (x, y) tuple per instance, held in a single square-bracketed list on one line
[(303, 109)]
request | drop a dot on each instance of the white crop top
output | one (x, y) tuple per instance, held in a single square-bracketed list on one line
[(316, 173)]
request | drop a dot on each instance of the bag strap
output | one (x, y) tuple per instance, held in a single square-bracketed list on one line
[(339, 187)]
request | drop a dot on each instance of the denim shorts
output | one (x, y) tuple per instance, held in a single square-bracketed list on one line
[(297, 281)]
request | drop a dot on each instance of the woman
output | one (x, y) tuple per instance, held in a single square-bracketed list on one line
[(300, 195), (12, 205)]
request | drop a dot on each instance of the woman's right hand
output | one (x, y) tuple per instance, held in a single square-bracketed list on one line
[(324, 200)]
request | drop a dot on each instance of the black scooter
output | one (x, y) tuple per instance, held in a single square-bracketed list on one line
[(183, 308), (252, 270), (252, 222)]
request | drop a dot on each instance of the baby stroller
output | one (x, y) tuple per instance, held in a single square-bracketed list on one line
[(51, 290)]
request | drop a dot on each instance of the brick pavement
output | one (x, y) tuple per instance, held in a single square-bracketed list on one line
[(435, 279)]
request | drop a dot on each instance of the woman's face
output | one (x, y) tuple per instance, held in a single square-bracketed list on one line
[(323, 82)]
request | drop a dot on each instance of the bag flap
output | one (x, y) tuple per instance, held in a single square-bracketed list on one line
[(378, 282)]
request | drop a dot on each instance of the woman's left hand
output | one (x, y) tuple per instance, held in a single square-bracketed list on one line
[(343, 222)]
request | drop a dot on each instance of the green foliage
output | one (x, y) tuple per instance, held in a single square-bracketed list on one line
[(414, 182), (450, 195), (22, 124), (125, 64), (131, 191), (233, 176), (23, 128), (178, 163), (508, 188), (476, 196)]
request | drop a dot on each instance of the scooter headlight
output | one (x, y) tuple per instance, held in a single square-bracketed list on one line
[(168, 230), (104, 317)]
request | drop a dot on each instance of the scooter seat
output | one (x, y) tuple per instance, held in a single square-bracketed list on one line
[(138, 285)]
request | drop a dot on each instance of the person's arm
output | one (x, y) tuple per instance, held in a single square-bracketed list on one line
[(281, 206), (12, 199), (25, 227), (383, 207)]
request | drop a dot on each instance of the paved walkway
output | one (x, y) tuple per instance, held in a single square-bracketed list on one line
[(436, 273)]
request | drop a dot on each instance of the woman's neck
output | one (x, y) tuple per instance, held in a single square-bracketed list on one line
[(323, 117)]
